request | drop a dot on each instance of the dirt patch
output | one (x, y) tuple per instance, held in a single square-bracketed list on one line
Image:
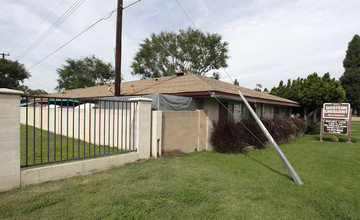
[(174, 153)]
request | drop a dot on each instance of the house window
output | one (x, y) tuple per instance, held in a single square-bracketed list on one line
[(237, 111), (282, 111), (245, 113)]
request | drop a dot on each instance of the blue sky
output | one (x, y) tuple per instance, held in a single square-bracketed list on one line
[(269, 40)]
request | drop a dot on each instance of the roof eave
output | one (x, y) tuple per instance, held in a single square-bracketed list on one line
[(222, 95)]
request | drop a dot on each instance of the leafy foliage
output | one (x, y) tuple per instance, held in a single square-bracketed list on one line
[(258, 87), (216, 75), (311, 92), (189, 50), (236, 82), (350, 80), (29, 91), (229, 136), (89, 71), (12, 73)]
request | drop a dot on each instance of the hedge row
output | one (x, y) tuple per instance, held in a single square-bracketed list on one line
[(233, 137)]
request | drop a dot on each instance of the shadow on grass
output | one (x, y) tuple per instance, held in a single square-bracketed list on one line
[(271, 169)]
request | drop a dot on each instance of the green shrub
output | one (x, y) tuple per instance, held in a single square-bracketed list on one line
[(334, 139), (314, 130)]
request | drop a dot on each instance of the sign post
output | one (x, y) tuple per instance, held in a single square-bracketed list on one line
[(336, 119)]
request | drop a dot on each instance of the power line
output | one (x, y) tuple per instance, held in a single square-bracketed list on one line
[(131, 4), (40, 84), (22, 22), (43, 20), (186, 13), (47, 33), (188, 17), (212, 95), (101, 19), (221, 102)]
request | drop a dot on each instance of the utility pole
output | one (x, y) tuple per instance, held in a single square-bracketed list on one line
[(118, 48), (4, 54)]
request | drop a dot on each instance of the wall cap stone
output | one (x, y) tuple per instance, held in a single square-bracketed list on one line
[(10, 91)]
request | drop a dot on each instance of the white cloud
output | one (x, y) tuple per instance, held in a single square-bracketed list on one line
[(289, 40), (269, 40)]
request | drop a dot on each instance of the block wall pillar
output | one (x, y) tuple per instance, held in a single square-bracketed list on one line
[(9, 139), (143, 127)]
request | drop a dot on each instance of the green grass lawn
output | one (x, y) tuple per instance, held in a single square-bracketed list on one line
[(51, 148), (205, 185)]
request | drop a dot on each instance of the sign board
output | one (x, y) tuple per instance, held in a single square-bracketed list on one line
[(336, 110), (336, 119), (335, 126)]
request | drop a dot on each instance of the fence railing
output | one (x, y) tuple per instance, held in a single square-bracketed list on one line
[(62, 129)]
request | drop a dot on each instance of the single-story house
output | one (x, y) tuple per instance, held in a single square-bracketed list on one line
[(207, 90), (190, 130)]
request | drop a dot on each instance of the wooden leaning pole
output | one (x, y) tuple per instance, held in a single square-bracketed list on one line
[(287, 164)]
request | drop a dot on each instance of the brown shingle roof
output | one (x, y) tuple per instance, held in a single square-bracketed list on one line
[(184, 83)]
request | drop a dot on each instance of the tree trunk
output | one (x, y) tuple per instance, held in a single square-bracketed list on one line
[(305, 115)]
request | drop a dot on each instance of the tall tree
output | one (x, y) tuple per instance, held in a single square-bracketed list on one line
[(89, 71), (311, 92), (350, 80), (189, 50), (12, 73)]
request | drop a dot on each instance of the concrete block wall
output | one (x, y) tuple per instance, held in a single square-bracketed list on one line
[(9, 139), (60, 171), (184, 131), (12, 177)]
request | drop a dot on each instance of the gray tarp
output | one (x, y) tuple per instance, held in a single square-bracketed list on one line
[(160, 102)]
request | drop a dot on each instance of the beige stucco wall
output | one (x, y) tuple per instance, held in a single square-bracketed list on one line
[(184, 131), (211, 108), (156, 133)]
